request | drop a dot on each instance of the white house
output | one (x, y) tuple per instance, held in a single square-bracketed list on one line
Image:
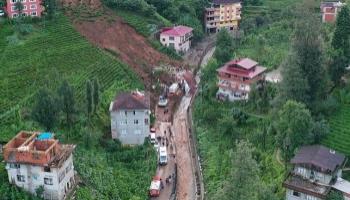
[(178, 37), (130, 117), (33, 162)]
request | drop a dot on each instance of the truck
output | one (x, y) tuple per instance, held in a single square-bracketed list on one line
[(163, 156), (154, 189)]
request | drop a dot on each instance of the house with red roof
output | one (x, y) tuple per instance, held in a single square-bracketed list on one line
[(130, 117), (32, 8), (178, 37), (330, 9), (236, 78)]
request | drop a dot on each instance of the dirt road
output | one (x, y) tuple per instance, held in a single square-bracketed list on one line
[(185, 174)]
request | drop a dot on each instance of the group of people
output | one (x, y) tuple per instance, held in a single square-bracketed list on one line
[(168, 181)]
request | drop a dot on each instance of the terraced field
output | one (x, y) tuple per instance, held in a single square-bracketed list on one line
[(339, 138), (53, 51)]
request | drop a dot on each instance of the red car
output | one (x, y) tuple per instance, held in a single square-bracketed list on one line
[(154, 189)]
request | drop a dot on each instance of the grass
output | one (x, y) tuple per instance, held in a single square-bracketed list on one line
[(339, 137), (53, 52), (142, 24)]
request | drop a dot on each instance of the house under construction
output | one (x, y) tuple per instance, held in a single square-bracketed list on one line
[(35, 159)]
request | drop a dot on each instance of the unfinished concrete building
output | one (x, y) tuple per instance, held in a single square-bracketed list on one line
[(35, 159)]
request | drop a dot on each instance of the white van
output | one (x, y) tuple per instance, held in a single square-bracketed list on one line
[(163, 156)]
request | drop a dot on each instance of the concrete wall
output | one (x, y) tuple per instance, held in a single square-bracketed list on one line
[(302, 196), (185, 43), (34, 177), (125, 128), (233, 95)]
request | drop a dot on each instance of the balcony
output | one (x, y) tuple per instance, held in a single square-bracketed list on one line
[(234, 86)]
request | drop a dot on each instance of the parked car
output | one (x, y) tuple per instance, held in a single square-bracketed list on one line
[(152, 138), (163, 156), (154, 189), (162, 101), (2, 13)]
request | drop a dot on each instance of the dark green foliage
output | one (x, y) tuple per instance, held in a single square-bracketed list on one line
[(50, 8), (335, 195), (239, 116), (66, 94), (189, 20), (337, 67), (224, 47), (46, 109), (293, 125), (320, 129), (89, 98), (308, 49), (96, 94), (19, 7), (138, 6), (294, 85), (341, 38)]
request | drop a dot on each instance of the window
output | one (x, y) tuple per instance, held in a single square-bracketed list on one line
[(24, 8), (123, 122), (15, 15), (23, 1), (13, 8), (20, 178), (24, 14), (134, 112), (48, 181), (171, 45), (163, 39), (310, 197), (295, 193), (136, 121), (13, 1), (146, 121), (171, 38), (32, 0), (123, 132), (33, 6), (33, 13), (47, 169), (61, 177), (15, 166), (137, 132)]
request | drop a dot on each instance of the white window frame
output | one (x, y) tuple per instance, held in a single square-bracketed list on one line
[(14, 15), (33, 7), (136, 121), (13, 1), (35, 14), (48, 181), (32, 0), (13, 8), (21, 178), (24, 14), (24, 7), (137, 132)]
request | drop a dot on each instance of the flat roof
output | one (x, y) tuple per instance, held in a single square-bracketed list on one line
[(342, 185)]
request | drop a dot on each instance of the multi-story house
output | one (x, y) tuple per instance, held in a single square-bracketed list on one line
[(178, 37), (31, 8), (130, 117), (236, 78), (222, 14), (330, 9), (315, 170), (35, 160)]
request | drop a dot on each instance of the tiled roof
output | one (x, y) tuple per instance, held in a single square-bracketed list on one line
[(131, 100), (319, 156), (245, 68), (177, 31), (225, 1), (247, 63)]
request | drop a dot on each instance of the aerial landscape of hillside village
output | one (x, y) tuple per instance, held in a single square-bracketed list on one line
[(174, 99)]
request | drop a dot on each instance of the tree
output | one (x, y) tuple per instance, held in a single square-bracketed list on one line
[(243, 177), (224, 46), (46, 109), (19, 7), (66, 94), (294, 85), (50, 6), (335, 195), (319, 130), (96, 93), (308, 51), (293, 125), (341, 38), (337, 67)]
